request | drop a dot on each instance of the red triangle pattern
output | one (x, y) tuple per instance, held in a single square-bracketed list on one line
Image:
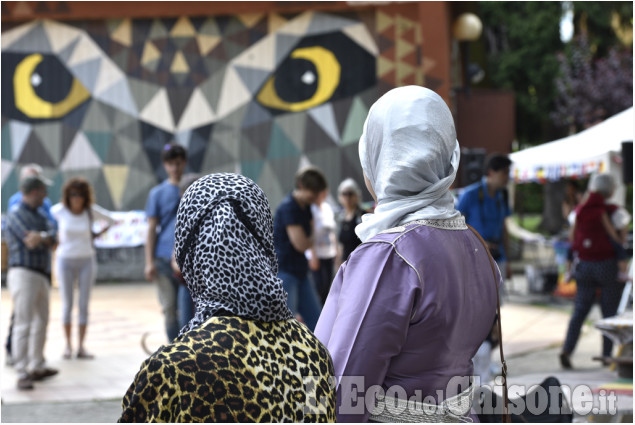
[(390, 78), (389, 32), (411, 58), (389, 54), (409, 80), (410, 35)]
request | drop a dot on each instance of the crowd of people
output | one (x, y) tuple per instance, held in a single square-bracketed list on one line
[(274, 317)]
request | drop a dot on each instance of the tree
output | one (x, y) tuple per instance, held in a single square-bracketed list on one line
[(522, 39), (607, 24), (559, 88), (591, 89)]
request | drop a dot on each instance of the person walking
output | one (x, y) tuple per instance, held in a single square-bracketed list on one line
[(243, 357), (412, 304), (30, 237), (75, 259), (292, 231), (161, 207), (597, 264)]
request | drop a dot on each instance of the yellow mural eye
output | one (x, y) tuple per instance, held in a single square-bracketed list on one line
[(43, 88), (307, 79)]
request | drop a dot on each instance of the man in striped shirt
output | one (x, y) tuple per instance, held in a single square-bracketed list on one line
[(30, 237)]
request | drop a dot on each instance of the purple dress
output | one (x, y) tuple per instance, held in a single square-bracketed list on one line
[(410, 307)]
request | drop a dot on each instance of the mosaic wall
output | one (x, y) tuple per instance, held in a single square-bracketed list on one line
[(259, 94)]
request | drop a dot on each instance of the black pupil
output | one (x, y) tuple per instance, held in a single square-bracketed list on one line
[(290, 85), (52, 82)]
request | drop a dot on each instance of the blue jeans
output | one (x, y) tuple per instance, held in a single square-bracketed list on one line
[(174, 298), (184, 305), (591, 276), (302, 297), (323, 277)]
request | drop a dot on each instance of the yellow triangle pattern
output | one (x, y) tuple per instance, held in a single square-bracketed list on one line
[(403, 24), (207, 42), (384, 66), (116, 176), (423, 80), (419, 78), (183, 28), (403, 48), (418, 36), (250, 19), (179, 64), (403, 71), (123, 33), (274, 22), (150, 53), (383, 22)]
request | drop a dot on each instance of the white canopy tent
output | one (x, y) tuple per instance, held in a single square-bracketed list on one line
[(596, 149)]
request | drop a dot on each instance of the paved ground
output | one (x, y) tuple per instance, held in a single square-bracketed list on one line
[(121, 314), (90, 391)]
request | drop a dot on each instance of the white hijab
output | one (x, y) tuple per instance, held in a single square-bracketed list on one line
[(409, 152)]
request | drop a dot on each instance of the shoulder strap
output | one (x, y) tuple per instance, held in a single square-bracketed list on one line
[(506, 417)]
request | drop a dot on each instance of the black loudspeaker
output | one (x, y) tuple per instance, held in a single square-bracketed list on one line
[(627, 162), (472, 163)]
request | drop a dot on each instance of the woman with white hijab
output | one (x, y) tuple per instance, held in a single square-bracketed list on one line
[(408, 310)]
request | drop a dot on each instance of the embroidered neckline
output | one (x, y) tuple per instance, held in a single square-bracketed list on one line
[(445, 224)]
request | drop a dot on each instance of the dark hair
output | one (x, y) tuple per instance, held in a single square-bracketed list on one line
[(31, 183), (173, 151), (311, 178), (81, 186), (496, 162)]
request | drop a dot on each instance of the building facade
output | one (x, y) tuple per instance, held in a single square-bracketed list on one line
[(259, 88)]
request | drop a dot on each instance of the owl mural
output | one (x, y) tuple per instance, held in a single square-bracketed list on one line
[(259, 95)]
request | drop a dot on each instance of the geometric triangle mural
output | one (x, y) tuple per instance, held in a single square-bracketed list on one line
[(258, 94)]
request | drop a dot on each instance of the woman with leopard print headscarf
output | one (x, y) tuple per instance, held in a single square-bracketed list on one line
[(243, 357)]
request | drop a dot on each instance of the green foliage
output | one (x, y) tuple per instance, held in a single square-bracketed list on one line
[(529, 222), (595, 18), (523, 39), (591, 88), (529, 198)]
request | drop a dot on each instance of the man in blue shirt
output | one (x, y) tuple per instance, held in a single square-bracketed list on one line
[(161, 207), (292, 227), (30, 237), (485, 207)]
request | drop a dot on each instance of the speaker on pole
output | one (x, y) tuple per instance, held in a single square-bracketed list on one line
[(471, 167), (627, 162)]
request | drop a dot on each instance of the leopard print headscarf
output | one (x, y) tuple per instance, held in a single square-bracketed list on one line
[(224, 247)]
